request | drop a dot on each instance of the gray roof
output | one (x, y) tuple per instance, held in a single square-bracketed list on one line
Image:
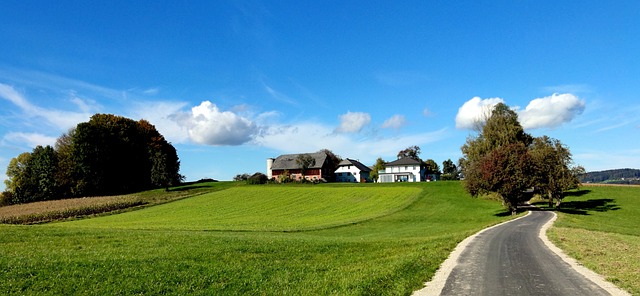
[(404, 161), (288, 161), (357, 164)]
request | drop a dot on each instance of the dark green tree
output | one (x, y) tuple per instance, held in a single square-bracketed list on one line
[(410, 152), (449, 170), (431, 167)]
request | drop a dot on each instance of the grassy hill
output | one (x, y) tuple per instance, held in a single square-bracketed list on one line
[(374, 239), (371, 239)]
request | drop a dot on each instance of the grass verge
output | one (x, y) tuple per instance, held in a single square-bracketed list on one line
[(598, 225)]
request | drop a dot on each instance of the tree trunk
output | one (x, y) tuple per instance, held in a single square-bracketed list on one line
[(550, 196)]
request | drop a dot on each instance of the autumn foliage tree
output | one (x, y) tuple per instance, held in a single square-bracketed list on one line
[(497, 159), (504, 160)]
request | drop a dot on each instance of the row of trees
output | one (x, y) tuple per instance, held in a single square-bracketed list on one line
[(107, 155), (504, 160)]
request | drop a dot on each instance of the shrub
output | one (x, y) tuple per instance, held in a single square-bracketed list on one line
[(257, 178)]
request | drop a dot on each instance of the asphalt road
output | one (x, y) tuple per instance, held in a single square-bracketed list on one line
[(512, 260)]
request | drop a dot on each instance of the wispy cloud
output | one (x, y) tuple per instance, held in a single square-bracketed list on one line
[(28, 139), (279, 96), (58, 118)]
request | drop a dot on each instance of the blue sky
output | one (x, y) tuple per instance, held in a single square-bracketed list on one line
[(231, 83)]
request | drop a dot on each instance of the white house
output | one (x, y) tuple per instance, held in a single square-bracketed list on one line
[(351, 170), (402, 170)]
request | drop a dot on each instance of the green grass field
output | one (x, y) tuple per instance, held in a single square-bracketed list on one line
[(324, 239), (600, 226)]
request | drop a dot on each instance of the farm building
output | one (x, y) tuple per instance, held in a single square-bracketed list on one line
[(402, 170), (321, 170), (351, 170)]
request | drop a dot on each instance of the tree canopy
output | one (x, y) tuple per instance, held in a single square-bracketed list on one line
[(107, 155), (505, 160)]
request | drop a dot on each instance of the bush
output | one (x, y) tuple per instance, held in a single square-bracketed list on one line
[(257, 178)]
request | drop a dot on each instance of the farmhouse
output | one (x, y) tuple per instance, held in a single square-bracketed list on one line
[(321, 170), (402, 170), (351, 170)]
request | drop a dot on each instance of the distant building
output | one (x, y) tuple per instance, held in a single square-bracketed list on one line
[(402, 170), (351, 170), (322, 170)]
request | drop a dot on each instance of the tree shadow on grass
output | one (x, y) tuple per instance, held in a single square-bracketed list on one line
[(577, 193), (582, 207)]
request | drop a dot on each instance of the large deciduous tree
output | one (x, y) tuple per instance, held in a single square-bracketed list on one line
[(497, 159), (107, 155), (554, 173)]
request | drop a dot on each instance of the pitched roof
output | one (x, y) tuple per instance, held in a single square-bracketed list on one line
[(404, 161), (357, 164), (288, 161)]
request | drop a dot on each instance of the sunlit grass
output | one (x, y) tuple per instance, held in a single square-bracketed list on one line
[(385, 254), (600, 228), (266, 208)]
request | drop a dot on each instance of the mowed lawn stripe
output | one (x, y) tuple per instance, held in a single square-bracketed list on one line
[(265, 208)]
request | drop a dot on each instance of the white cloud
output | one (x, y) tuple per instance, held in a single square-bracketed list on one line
[(29, 139), (206, 124), (396, 121), (550, 112), (475, 110), (353, 122)]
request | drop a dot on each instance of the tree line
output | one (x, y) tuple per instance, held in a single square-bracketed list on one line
[(107, 155), (504, 160)]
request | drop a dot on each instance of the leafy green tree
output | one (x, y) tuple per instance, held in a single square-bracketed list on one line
[(32, 176), (449, 170), (410, 152), (497, 159), (431, 167), (377, 167), (553, 172), (17, 178), (305, 161)]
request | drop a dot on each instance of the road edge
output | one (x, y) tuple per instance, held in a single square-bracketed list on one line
[(581, 269), (437, 282)]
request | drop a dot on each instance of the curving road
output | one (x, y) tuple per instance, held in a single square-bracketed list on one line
[(511, 259)]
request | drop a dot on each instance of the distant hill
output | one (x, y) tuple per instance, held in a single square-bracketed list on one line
[(619, 176)]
